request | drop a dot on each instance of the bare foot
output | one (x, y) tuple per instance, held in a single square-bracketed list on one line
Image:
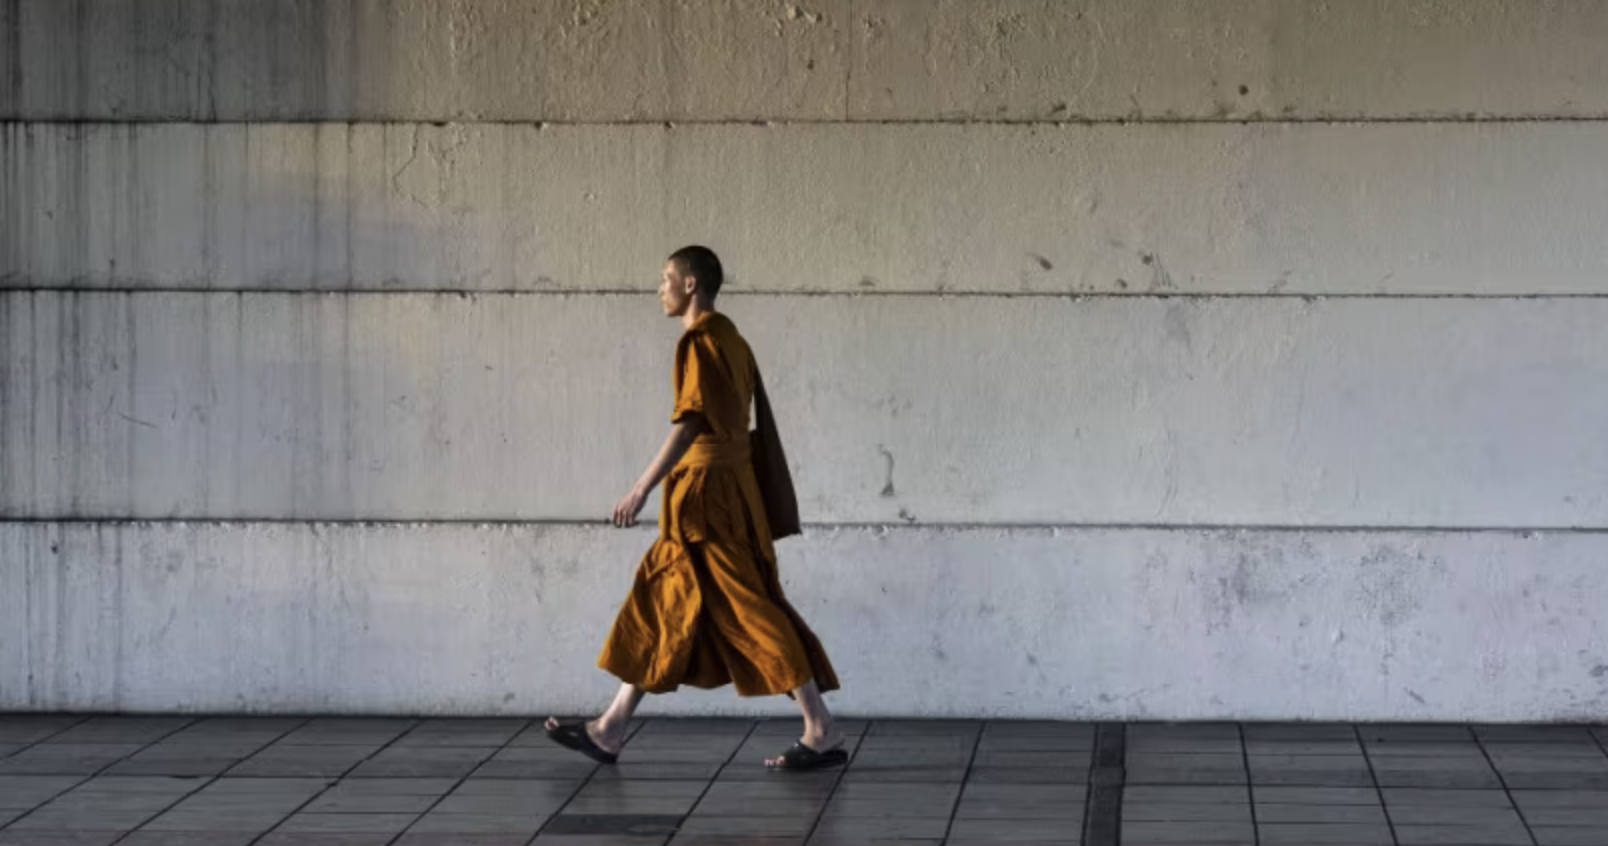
[(610, 742)]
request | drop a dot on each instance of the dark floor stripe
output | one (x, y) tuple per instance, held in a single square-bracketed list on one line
[(1102, 821)]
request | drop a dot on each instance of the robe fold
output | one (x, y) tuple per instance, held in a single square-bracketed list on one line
[(707, 608)]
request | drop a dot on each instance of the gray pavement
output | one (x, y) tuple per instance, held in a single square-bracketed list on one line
[(330, 781)]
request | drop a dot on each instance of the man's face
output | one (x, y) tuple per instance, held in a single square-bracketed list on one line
[(675, 290)]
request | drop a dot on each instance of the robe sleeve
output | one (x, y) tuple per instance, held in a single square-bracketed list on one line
[(701, 384)]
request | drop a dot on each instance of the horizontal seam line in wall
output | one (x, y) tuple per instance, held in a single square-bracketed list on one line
[(829, 526), (1354, 120), (983, 295)]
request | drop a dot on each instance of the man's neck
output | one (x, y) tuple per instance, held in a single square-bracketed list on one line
[(696, 310)]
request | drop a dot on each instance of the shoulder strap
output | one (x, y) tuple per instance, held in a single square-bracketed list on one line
[(770, 468)]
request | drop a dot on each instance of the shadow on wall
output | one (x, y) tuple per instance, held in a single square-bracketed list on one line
[(197, 60), (277, 207)]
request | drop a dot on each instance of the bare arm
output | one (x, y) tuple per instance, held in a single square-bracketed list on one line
[(675, 446)]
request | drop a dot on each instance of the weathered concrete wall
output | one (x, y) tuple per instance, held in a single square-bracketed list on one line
[(1320, 209), (1138, 359), (813, 60), (454, 619), (1270, 411)]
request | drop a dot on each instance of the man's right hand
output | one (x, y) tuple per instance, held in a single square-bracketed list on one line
[(629, 506)]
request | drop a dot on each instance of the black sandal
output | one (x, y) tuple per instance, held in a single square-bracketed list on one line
[(574, 736), (803, 758)]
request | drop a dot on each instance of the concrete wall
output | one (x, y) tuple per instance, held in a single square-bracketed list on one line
[(1137, 359)]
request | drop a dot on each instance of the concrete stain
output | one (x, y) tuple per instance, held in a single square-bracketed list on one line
[(888, 491)]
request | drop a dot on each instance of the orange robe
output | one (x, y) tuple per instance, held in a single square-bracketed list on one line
[(707, 607)]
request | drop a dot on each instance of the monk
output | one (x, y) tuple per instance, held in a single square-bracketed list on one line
[(707, 607)]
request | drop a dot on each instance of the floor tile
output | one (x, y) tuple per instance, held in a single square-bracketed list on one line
[(1593, 816), (1163, 745), (678, 727), (26, 729), (797, 807), (925, 727), (59, 838), (283, 760), (481, 823), (614, 825), (1186, 795), (690, 790), (1276, 813), (1283, 795), (83, 759), (324, 838), (1394, 796), (392, 823), (190, 838), (871, 808), (426, 762), (140, 730), (882, 828), (1463, 835), (18, 792), (647, 806), (749, 826), (1532, 734), (1569, 836), (1263, 748), (1435, 772), (1532, 799), (627, 771), (1453, 815), (382, 795), (1585, 749), (1415, 733), (983, 801), (257, 730), (1178, 812), (905, 774), (349, 731), (1299, 732), (1313, 834), (1142, 732), (429, 838)]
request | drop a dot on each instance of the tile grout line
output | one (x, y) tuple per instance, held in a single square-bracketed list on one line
[(586, 780), (1591, 732), (528, 722), (1102, 812), (82, 781), (1250, 784), (40, 742), (965, 778), (837, 782), (1379, 792), (1502, 780), (103, 770), (753, 726), (58, 732), (337, 780), (207, 781)]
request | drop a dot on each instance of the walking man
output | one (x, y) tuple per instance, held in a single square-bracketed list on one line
[(707, 607)]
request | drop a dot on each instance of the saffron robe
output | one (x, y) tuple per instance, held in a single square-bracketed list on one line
[(707, 607)]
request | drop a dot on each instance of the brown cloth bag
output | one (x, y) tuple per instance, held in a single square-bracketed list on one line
[(770, 468)]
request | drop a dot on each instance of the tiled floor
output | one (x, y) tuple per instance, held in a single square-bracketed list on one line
[(163, 781)]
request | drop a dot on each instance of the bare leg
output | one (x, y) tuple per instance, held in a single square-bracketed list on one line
[(608, 731), (820, 731)]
